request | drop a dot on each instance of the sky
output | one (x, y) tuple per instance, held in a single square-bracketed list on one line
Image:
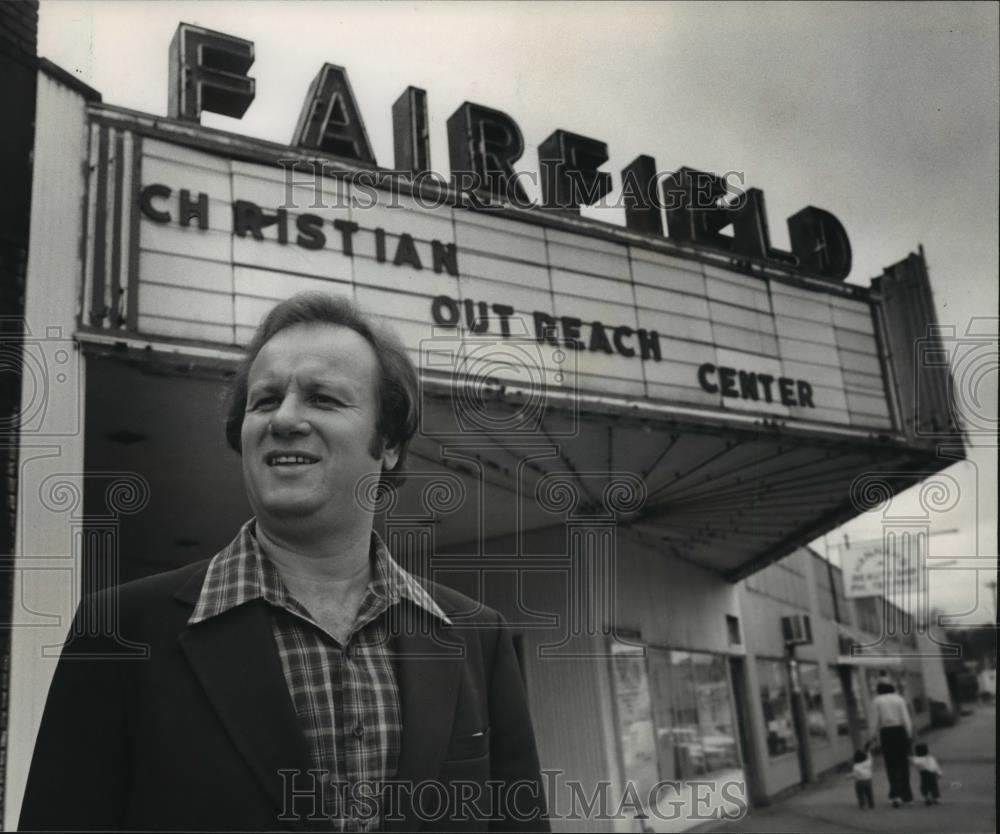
[(885, 114)]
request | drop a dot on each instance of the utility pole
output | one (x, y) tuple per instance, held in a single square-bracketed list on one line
[(799, 722), (830, 576)]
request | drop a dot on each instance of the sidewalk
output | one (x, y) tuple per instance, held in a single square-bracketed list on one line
[(967, 754)]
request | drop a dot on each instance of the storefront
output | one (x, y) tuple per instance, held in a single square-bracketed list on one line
[(849, 708), (829, 673), (617, 424), (678, 727)]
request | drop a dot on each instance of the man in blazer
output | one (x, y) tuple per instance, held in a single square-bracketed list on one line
[(300, 679)]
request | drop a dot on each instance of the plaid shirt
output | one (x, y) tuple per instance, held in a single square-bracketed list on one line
[(346, 697)]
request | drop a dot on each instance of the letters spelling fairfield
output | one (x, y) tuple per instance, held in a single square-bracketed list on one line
[(208, 72)]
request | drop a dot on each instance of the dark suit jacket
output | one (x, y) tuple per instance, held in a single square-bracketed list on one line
[(196, 735)]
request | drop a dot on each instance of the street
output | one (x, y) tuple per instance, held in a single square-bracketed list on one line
[(967, 755)]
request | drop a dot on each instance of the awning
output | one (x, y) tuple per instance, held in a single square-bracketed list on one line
[(871, 661), (865, 650)]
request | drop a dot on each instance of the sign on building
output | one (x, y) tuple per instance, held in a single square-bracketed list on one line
[(891, 567)]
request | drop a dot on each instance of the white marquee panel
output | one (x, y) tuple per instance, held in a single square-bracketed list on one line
[(213, 286)]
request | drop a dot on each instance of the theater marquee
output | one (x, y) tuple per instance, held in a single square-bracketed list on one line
[(192, 235), (217, 241)]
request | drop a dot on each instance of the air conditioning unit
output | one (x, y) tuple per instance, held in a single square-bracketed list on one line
[(796, 629)]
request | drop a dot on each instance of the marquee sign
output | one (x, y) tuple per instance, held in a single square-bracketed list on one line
[(194, 246), (208, 72)]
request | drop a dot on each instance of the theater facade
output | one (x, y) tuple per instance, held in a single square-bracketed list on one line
[(619, 423)]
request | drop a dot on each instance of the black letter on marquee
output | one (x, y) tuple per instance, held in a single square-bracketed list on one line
[(486, 143), (727, 379), (248, 217), (406, 252), (347, 228), (691, 198), (505, 311), (198, 209), (545, 328), (642, 206), (330, 120), (571, 332), (281, 218), (748, 385), (787, 391), (599, 338), (766, 380), (703, 372), (696, 214), (820, 243), (146, 202), (649, 345), (441, 305), (569, 164), (751, 235), (445, 257), (620, 346), (477, 322), (310, 227), (411, 133), (208, 72)]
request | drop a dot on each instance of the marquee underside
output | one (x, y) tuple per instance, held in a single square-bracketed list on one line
[(723, 497)]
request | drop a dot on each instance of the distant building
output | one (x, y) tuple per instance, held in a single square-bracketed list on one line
[(854, 644)]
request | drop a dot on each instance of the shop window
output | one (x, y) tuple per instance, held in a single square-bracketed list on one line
[(868, 619), (859, 702), (812, 696), (681, 733), (776, 704), (630, 680), (715, 711), (733, 630), (839, 702), (693, 710), (917, 694)]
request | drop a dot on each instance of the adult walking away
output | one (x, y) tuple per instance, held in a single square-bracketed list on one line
[(895, 731)]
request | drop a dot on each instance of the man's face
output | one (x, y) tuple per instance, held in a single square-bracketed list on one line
[(307, 431)]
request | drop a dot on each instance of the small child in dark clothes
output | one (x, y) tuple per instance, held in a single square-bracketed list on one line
[(861, 773), (930, 770)]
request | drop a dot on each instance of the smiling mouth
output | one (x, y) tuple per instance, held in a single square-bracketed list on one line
[(287, 459)]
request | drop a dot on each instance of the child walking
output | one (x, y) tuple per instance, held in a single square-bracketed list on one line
[(930, 770), (861, 773)]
